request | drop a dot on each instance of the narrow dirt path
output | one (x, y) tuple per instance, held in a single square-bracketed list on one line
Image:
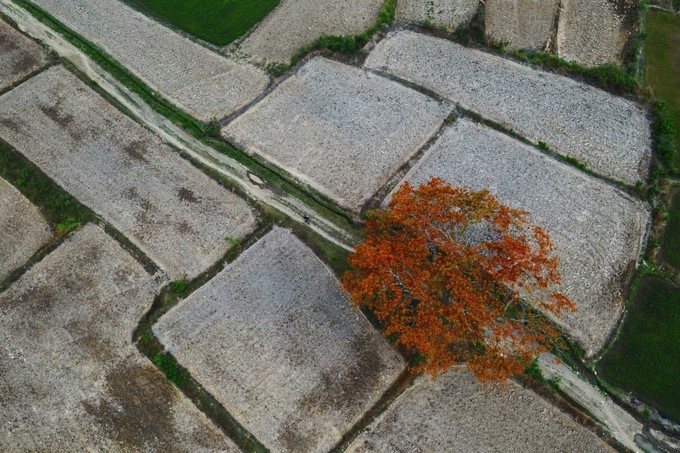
[(623, 426), (203, 154)]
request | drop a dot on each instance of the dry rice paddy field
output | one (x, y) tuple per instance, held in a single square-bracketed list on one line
[(271, 339), (279, 345), (204, 83), (170, 210), (597, 229), (607, 133), (24, 230), (19, 56), (457, 414), (70, 379), (447, 14), (297, 23), (523, 24), (339, 129), (595, 32)]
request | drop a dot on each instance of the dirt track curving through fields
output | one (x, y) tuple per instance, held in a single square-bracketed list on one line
[(172, 134)]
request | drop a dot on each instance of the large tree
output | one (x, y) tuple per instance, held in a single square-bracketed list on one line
[(454, 275)]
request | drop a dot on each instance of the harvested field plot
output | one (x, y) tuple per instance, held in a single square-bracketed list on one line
[(278, 344), (645, 358), (296, 23), (23, 229), (199, 81), (597, 229), (216, 21), (593, 32), (19, 56), (457, 414), (339, 129), (174, 213), (70, 380), (608, 133), (523, 24), (448, 14)]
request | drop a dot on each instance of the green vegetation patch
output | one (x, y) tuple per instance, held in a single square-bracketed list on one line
[(670, 251), (645, 358), (62, 211), (218, 22), (662, 49)]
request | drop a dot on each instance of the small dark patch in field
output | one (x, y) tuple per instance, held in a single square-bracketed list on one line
[(293, 440), (187, 195), (340, 389), (24, 64), (7, 45), (90, 340), (10, 124), (137, 149), (184, 228), (136, 411), (65, 120)]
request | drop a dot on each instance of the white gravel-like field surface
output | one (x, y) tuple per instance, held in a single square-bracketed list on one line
[(447, 14), (593, 32), (339, 129), (19, 56), (608, 133), (523, 24), (297, 23), (70, 378), (457, 414), (200, 81), (275, 340), (174, 213), (597, 229), (23, 229)]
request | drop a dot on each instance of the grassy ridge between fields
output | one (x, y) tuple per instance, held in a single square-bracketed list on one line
[(646, 357), (63, 212), (662, 50), (218, 22)]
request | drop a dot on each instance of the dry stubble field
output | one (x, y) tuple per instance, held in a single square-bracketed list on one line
[(598, 229), (23, 229), (70, 378), (19, 56), (610, 134), (173, 212), (455, 413), (274, 339), (523, 24), (339, 129)]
